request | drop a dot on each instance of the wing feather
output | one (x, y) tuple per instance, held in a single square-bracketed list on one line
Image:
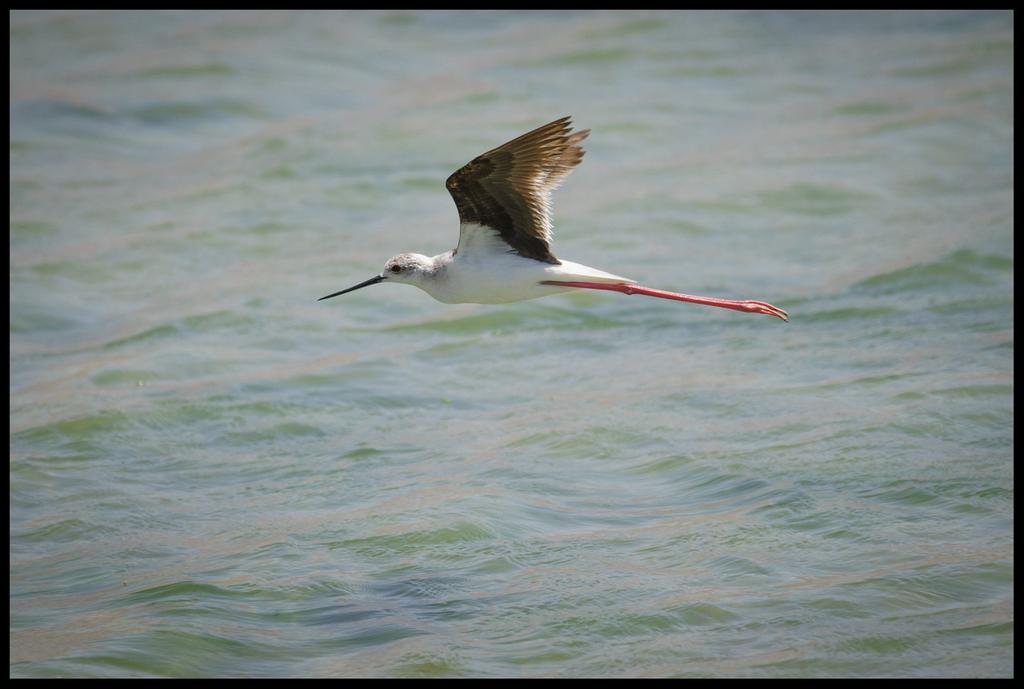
[(508, 189)]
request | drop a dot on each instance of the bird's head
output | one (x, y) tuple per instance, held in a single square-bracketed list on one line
[(407, 268), (410, 269)]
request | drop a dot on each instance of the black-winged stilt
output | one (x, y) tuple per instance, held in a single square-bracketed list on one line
[(504, 251)]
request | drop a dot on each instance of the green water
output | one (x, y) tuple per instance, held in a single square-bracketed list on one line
[(213, 474)]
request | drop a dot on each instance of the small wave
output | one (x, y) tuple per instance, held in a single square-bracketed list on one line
[(814, 199), (36, 109), (182, 112), (963, 267), (206, 69)]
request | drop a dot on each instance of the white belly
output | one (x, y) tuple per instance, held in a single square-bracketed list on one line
[(506, 277)]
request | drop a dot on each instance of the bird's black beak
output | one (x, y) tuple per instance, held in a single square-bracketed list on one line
[(371, 281)]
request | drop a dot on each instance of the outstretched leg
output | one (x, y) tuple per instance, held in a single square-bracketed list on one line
[(746, 305)]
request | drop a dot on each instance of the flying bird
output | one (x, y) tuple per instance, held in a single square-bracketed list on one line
[(504, 252)]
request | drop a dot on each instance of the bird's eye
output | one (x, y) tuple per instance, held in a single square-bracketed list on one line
[(396, 269)]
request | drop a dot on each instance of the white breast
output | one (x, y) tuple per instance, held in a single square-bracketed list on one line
[(499, 278)]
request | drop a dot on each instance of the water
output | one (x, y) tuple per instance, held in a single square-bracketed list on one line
[(213, 474)]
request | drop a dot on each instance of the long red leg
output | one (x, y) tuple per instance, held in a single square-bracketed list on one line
[(749, 306)]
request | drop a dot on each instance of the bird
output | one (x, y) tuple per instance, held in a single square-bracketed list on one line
[(503, 198)]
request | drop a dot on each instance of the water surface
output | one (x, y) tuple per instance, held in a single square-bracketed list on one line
[(212, 474)]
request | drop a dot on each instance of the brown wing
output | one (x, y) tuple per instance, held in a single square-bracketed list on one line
[(509, 188)]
